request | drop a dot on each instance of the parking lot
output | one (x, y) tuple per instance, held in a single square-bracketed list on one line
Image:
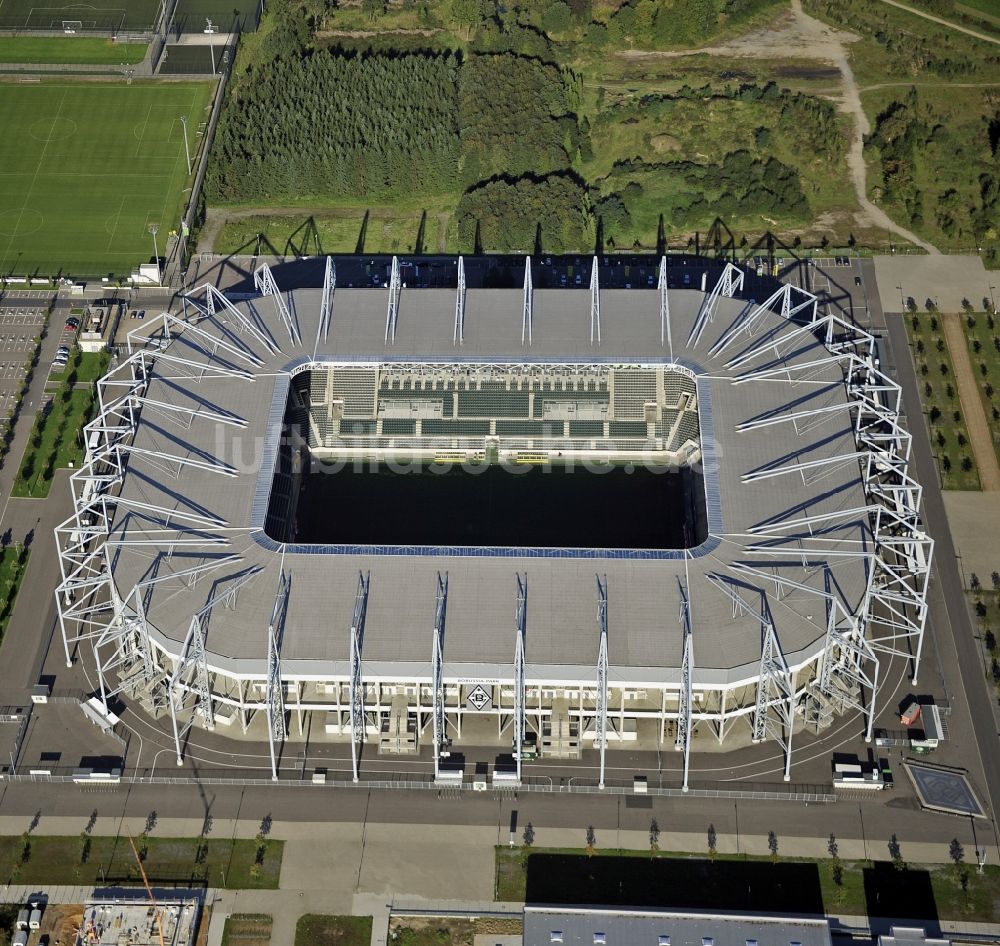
[(22, 320)]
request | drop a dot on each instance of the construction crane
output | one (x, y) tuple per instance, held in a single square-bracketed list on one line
[(149, 890)]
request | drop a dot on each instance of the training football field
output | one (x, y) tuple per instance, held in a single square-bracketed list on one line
[(86, 168)]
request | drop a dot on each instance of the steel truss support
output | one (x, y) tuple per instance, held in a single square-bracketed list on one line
[(326, 306), (774, 707), (437, 670), (782, 301), (276, 729), (775, 691), (190, 676), (595, 305), (526, 314), (662, 288), (213, 299), (520, 628), (730, 282), (392, 309), (263, 280), (357, 685), (602, 670), (193, 659), (842, 676), (682, 739), (459, 335)]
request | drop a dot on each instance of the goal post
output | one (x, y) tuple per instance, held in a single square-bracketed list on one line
[(72, 26)]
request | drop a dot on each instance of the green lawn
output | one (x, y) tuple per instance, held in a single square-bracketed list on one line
[(378, 229), (320, 929), (939, 395), (13, 564), (87, 167), (69, 50), (959, 892), (57, 436), (81, 860), (247, 929), (85, 367)]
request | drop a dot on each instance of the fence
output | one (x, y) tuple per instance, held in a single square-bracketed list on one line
[(545, 785)]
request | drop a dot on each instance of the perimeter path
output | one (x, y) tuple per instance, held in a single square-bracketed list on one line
[(972, 405), (802, 36), (943, 22)]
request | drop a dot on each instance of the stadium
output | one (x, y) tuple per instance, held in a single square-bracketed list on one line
[(550, 520)]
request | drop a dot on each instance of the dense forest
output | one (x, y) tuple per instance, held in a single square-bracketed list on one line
[(501, 129), (339, 124)]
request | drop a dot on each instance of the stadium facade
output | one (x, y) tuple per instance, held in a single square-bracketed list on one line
[(801, 570)]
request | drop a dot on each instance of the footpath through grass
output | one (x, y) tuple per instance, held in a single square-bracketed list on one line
[(87, 167), (649, 878), (982, 334), (57, 435), (939, 396), (321, 929), (235, 864), (70, 50)]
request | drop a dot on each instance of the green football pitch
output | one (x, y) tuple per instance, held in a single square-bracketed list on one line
[(86, 168), (104, 15)]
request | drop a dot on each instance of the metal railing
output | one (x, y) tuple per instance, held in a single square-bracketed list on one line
[(541, 784)]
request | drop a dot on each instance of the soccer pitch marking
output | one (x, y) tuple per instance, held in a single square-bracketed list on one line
[(72, 11), (22, 225), (47, 129)]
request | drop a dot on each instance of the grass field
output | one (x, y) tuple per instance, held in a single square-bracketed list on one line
[(69, 50), (99, 15), (376, 229), (939, 395), (85, 168), (247, 929), (13, 563), (321, 929), (56, 438), (88, 860)]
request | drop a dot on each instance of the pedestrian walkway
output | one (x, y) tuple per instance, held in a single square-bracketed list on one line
[(972, 404)]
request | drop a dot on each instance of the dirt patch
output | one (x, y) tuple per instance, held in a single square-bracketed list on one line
[(61, 923), (664, 143), (448, 931)]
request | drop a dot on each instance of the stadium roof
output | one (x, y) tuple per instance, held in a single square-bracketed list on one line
[(235, 364)]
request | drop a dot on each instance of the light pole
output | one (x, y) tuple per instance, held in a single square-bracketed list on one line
[(187, 150), (154, 228), (902, 302), (993, 301)]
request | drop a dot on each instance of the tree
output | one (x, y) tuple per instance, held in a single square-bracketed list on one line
[(557, 18), (712, 842), (529, 835), (955, 851), (591, 841), (967, 464), (467, 14), (654, 836), (772, 846), (895, 852)]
